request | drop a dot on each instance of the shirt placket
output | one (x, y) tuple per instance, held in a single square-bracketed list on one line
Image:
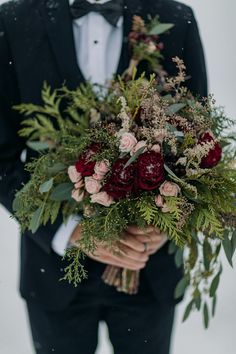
[(97, 53)]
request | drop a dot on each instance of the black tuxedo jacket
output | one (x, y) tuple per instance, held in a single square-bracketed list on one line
[(36, 44)]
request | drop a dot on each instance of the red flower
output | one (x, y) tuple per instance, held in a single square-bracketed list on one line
[(134, 36), (160, 46), (120, 183), (214, 155), (150, 170), (84, 165)]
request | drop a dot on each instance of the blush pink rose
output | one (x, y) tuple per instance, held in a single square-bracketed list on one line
[(102, 167), (102, 198), (77, 195), (138, 146), (159, 201), (79, 184), (156, 148), (127, 142), (169, 189), (73, 174), (92, 185), (98, 176)]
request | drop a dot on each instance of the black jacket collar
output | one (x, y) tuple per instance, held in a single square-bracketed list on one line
[(56, 15)]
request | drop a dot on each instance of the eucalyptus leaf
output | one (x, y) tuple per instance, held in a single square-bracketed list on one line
[(37, 145), (198, 300), (207, 252), (227, 247), (58, 167), (46, 186), (175, 131), (35, 220), (161, 28), (214, 301), (193, 256), (135, 156), (179, 258), (188, 311), (214, 285), (171, 173), (172, 248), (206, 315), (233, 243), (174, 108), (191, 103), (16, 205), (167, 97), (181, 287), (195, 237), (62, 192), (218, 248)]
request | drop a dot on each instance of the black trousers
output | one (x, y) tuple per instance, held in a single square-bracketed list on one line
[(137, 324)]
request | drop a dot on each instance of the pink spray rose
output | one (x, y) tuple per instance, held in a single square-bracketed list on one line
[(102, 198), (77, 195), (98, 176), (169, 189), (127, 142), (79, 184), (102, 167), (159, 201), (156, 148), (92, 185), (73, 174)]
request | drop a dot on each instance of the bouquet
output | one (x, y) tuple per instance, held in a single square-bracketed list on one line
[(142, 152)]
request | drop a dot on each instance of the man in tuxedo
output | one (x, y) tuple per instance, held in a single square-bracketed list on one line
[(62, 41)]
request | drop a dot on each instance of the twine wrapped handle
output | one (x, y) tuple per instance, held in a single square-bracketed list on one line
[(125, 280)]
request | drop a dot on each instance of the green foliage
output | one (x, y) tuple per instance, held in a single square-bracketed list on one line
[(229, 246), (49, 122), (206, 315), (148, 210), (181, 287), (198, 222), (161, 28), (188, 310), (74, 271), (206, 220)]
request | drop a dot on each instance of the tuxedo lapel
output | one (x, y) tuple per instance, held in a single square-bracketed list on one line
[(56, 14), (131, 8), (58, 22)]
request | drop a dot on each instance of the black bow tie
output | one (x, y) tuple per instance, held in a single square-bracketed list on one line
[(111, 10)]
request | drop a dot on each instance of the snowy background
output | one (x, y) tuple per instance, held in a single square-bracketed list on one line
[(217, 23)]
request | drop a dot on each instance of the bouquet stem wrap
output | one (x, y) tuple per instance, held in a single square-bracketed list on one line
[(125, 280)]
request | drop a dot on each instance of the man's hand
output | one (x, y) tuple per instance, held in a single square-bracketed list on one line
[(148, 240), (133, 249)]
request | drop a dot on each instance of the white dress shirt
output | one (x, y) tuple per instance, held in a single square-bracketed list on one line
[(98, 48)]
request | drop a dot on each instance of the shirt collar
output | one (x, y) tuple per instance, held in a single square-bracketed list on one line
[(79, 22)]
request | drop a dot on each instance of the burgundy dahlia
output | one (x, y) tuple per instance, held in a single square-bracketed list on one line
[(150, 170), (84, 165), (120, 183)]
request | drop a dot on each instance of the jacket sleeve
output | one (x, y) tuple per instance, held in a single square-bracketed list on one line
[(12, 173), (194, 59)]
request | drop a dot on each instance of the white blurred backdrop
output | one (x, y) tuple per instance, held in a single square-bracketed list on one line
[(217, 24)]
